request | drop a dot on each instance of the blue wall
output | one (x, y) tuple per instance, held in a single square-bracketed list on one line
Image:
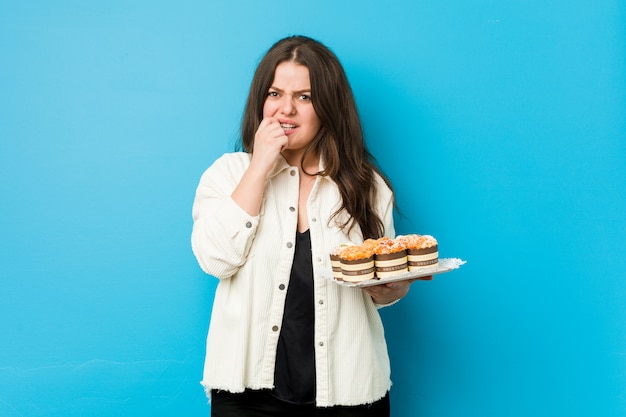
[(502, 125)]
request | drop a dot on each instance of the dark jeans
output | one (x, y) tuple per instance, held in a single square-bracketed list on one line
[(264, 404)]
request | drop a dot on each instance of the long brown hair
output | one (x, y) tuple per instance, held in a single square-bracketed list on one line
[(339, 142)]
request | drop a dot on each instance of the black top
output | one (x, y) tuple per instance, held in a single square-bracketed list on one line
[(294, 375)]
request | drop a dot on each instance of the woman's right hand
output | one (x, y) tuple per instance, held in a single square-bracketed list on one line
[(269, 141)]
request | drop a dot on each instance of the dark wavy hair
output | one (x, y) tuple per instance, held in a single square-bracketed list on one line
[(339, 142)]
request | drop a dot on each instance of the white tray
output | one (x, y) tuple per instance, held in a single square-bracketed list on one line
[(445, 265)]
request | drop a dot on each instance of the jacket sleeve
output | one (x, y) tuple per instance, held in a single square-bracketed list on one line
[(222, 231), (385, 208)]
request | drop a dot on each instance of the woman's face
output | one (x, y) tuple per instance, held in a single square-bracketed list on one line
[(289, 100)]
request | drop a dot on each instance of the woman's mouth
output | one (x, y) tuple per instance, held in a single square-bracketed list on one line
[(287, 126)]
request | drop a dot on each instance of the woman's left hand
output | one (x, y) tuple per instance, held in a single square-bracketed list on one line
[(390, 292)]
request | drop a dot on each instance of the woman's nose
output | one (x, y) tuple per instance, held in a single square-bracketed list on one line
[(287, 106)]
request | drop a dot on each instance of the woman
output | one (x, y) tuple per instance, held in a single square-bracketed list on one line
[(284, 339)]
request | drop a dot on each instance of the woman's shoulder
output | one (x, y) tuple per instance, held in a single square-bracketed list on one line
[(381, 184), (233, 158), (226, 168)]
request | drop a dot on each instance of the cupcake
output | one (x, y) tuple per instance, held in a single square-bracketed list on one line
[(357, 263), (390, 258), (335, 261), (422, 251)]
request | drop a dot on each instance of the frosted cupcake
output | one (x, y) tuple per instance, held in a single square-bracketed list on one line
[(335, 261), (390, 258), (357, 263), (422, 251)]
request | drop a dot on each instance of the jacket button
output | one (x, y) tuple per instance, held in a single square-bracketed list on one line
[(292, 209), (281, 287), (321, 343), (248, 225), (275, 328), (321, 302), (289, 245), (292, 173)]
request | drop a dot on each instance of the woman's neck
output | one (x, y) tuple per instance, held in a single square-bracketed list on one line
[(311, 162)]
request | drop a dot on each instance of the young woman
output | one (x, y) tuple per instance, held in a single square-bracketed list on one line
[(283, 338)]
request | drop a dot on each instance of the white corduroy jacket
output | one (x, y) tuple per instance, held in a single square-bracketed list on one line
[(252, 256)]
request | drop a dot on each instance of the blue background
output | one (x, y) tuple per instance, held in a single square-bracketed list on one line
[(501, 124)]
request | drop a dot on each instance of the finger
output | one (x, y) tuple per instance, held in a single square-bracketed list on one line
[(284, 142), (275, 130), (271, 133), (263, 125), (399, 284), (267, 128), (268, 121)]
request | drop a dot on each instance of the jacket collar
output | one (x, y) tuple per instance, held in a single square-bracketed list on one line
[(282, 165)]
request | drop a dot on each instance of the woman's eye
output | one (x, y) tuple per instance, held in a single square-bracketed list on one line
[(272, 94), (305, 97)]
